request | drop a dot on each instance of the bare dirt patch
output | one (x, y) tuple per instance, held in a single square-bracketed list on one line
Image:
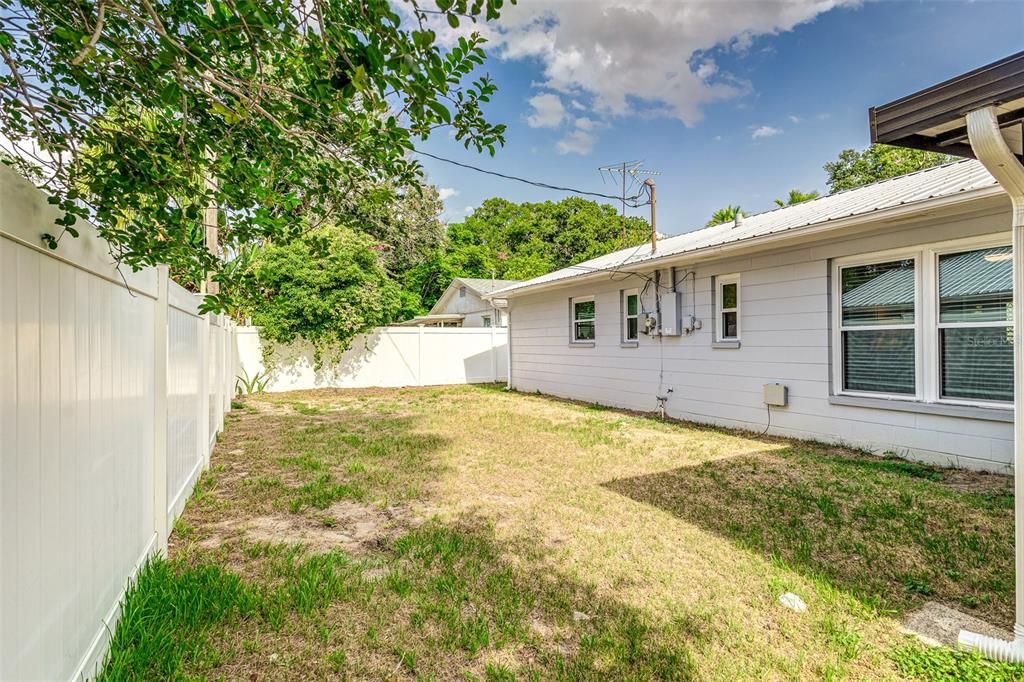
[(345, 525)]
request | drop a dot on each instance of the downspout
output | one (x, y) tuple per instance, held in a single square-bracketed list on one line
[(991, 149)]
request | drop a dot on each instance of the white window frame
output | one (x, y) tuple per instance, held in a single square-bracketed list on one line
[(926, 316), (486, 320), (573, 320), (720, 309), (624, 295)]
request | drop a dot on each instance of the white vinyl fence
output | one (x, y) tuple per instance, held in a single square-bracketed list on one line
[(385, 357), (110, 401)]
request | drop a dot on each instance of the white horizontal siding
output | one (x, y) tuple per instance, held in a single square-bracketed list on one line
[(785, 338)]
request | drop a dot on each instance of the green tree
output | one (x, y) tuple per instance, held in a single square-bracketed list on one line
[(878, 162), (797, 197), (723, 215), (519, 241), (325, 287), (291, 109)]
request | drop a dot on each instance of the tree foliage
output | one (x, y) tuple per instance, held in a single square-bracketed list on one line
[(878, 162), (325, 287), (279, 112), (518, 241), (797, 197), (723, 215)]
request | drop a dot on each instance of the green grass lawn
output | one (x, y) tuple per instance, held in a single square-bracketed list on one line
[(470, 533)]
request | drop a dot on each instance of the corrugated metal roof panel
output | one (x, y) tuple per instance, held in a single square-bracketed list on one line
[(932, 183)]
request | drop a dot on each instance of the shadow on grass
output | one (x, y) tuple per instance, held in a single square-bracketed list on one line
[(892, 533), (443, 600)]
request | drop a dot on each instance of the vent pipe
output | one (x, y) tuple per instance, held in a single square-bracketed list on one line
[(991, 149), (738, 220)]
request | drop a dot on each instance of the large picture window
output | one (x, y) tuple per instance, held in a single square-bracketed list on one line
[(877, 327), (935, 325), (583, 319)]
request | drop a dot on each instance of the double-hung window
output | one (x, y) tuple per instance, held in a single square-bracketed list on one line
[(727, 302), (975, 325), (877, 327), (933, 324), (583, 319), (630, 316)]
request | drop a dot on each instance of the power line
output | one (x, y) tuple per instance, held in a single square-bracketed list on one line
[(535, 183)]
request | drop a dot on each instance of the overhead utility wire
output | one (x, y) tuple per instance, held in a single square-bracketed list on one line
[(535, 183)]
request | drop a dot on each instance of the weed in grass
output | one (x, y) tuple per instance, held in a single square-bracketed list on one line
[(337, 660), (167, 619), (305, 409), (321, 492), (496, 672), (939, 664)]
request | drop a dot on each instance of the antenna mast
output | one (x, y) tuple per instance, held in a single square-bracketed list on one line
[(630, 169)]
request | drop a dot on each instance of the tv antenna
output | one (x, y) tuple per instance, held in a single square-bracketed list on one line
[(631, 170)]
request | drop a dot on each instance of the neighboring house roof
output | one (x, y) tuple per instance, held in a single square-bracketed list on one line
[(479, 286), (929, 185), (427, 319), (486, 286), (962, 276)]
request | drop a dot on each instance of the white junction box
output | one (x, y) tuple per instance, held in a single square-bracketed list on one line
[(776, 394)]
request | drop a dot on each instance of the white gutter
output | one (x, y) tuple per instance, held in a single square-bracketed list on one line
[(991, 149)]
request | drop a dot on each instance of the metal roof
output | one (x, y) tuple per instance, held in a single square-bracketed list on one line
[(957, 178)]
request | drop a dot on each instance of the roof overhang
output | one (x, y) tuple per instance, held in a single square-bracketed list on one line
[(933, 119), (978, 201)]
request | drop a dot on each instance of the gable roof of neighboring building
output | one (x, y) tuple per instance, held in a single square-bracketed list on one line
[(480, 286), (486, 286), (965, 177)]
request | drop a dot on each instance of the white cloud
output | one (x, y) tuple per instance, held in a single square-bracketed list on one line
[(584, 123), (622, 56), (576, 142), (446, 193), (794, 119), (578, 105), (468, 209), (765, 131), (547, 111)]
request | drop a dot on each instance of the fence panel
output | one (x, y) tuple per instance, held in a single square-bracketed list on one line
[(184, 432), (385, 357), (81, 494)]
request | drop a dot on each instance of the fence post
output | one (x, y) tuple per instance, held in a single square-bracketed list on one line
[(160, 524), (204, 392), (419, 355), (494, 356)]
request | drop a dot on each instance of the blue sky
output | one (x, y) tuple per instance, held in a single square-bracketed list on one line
[(734, 102)]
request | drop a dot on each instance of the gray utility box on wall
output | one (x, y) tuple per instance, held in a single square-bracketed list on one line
[(776, 394), (670, 323)]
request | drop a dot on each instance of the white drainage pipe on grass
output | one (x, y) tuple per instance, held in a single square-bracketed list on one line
[(990, 147)]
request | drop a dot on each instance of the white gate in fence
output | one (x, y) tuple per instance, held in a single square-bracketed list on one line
[(112, 392)]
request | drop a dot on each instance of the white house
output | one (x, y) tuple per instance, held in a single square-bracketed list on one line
[(462, 305), (884, 312)]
